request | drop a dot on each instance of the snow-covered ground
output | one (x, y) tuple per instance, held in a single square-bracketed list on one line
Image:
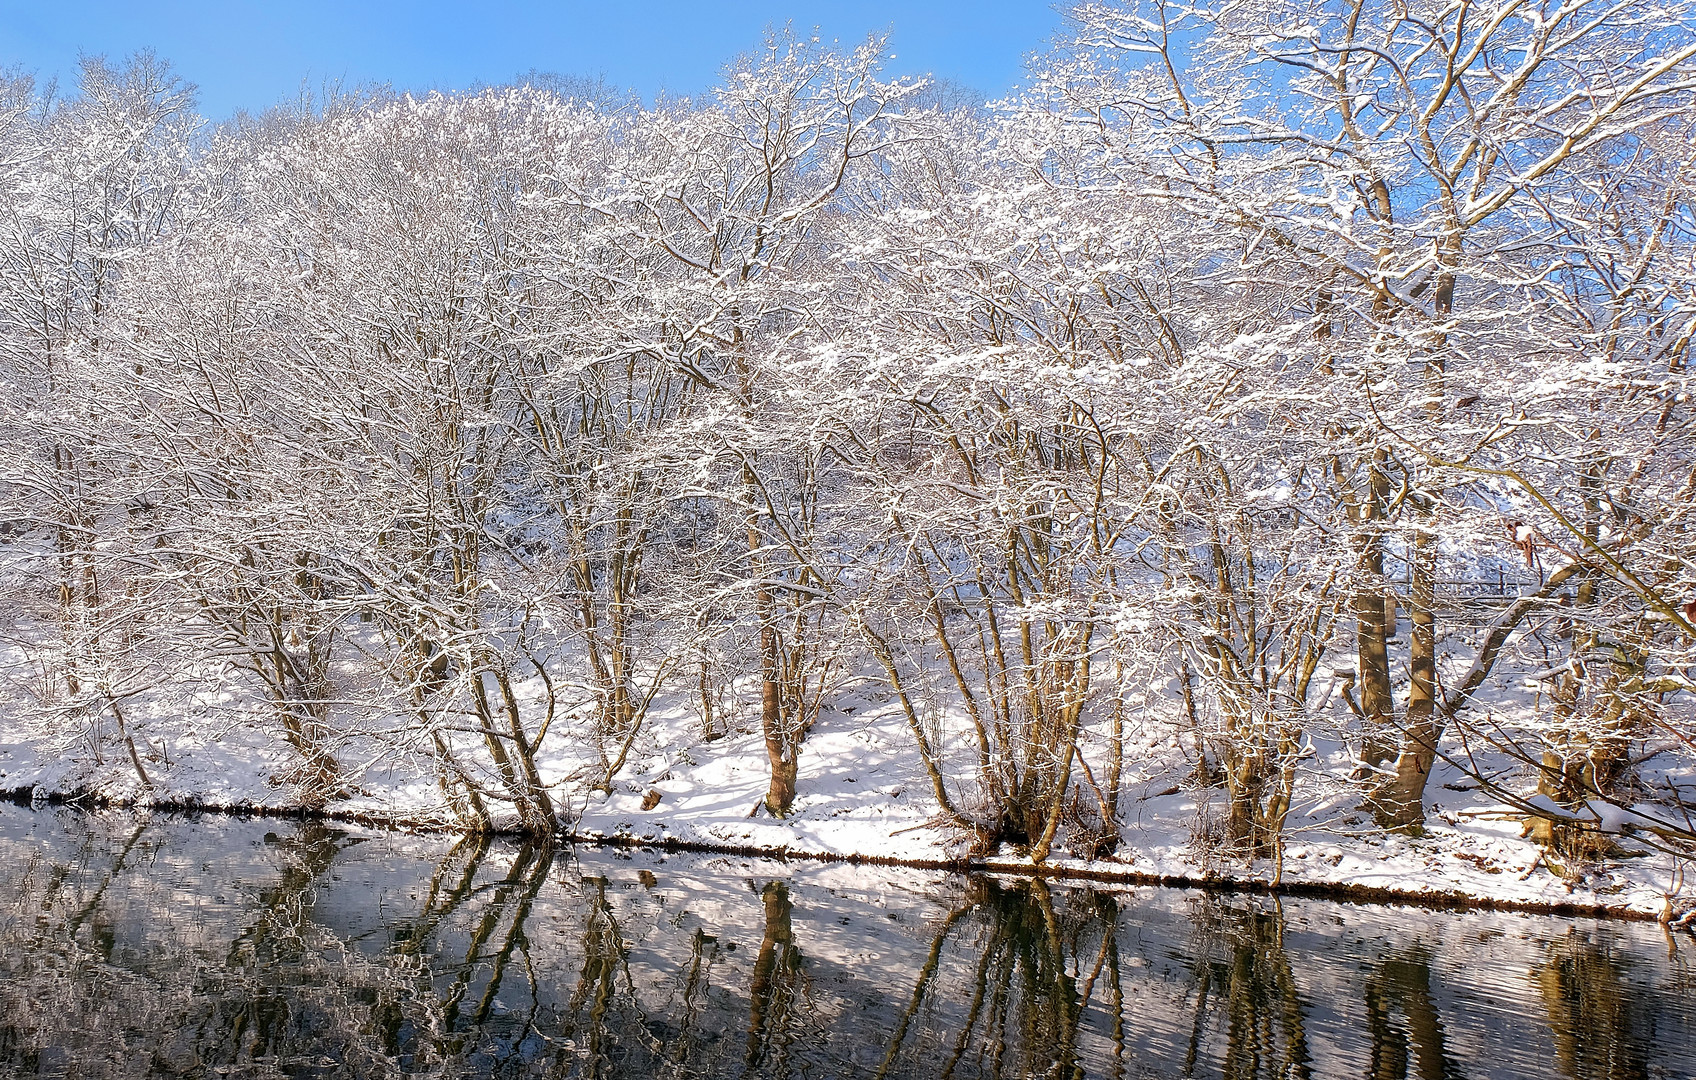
[(864, 795)]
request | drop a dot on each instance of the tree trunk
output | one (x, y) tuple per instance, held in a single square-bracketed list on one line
[(1373, 619), (1399, 803), (781, 750)]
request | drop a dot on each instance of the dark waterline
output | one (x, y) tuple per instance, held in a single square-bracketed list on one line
[(217, 947)]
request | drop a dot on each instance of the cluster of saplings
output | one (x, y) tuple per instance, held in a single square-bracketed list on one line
[(1256, 384)]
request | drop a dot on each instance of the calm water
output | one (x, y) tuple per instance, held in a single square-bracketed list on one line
[(221, 948)]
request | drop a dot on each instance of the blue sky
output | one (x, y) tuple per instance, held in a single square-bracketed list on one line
[(246, 55)]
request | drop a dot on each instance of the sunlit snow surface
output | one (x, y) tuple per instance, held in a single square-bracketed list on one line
[(863, 792), (170, 946)]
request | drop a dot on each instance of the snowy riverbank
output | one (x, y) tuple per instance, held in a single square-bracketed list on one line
[(864, 797)]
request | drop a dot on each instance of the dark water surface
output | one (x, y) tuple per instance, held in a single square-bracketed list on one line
[(215, 947)]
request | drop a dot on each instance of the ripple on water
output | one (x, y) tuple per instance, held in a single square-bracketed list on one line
[(211, 947)]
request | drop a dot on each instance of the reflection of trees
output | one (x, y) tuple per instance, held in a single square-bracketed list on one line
[(1242, 972), (276, 993), (599, 1018), (772, 1014), (57, 945), (450, 886), (1602, 1027), (283, 910), (1015, 1010), (1027, 981), (497, 964), (497, 939), (255, 1014), (91, 907), (1402, 984)]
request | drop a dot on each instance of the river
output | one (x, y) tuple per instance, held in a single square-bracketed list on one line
[(208, 946)]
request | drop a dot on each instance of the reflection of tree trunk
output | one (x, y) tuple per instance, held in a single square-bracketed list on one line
[(1600, 1027), (255, 1024), (519, 890), (980, 987), (597, 983), (1117, 986), (75, 922), (921, 987), (1025, 994), (1405, 983), (514, 895), (771, 1010), (1051, 966), (1265, 1011), (308, 854), (1266, 1031), (1198, 1027), (441, 901), (1106, 914), (695, 986)]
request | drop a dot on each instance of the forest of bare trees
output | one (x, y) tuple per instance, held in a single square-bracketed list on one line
[(1292, 371)]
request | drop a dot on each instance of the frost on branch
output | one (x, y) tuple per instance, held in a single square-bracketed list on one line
[(1282, 406)]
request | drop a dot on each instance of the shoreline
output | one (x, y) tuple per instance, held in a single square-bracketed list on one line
[(1455, 901)]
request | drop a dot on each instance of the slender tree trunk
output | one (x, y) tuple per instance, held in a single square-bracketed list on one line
[(1400, 800), (129, 744), (1373, 620), (780, 742)]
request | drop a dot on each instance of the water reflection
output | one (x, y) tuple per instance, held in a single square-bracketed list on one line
[(1407, 1030), (1589, 994), (1243, 980), (217, 948)]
